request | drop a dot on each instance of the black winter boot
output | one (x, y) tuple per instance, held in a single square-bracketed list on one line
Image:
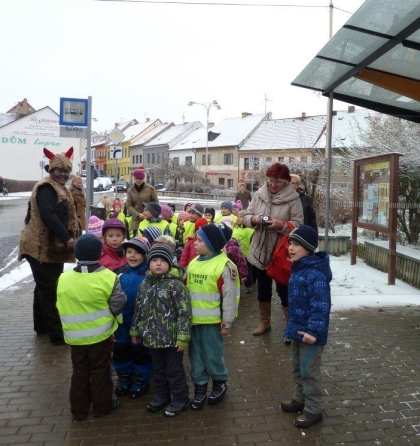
[(217, 392), (124, 383), (139, 386), (200, 396)]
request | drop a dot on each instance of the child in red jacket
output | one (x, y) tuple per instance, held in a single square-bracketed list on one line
[(113, 236), (189, 251)]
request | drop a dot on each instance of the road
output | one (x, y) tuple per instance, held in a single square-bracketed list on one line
[(12, 215)]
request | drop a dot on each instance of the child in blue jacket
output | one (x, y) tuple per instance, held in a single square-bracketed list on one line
[(309, 300), (132, 362)]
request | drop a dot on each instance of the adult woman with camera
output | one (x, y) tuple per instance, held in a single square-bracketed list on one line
[(272, 205)]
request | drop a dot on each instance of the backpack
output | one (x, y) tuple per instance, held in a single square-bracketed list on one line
[(280, 266)]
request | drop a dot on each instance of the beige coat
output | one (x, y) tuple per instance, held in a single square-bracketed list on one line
[(135, 202), (79, 198), (286, 206)]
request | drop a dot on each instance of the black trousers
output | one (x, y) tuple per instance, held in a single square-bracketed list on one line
[(169, 373), (91, 381), (265, 288), (45, 313)]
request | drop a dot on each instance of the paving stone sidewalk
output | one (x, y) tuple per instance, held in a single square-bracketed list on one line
[(372, 387)]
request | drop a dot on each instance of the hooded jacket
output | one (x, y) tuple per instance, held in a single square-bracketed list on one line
[(309, 298), (162, 316), (285, 206)]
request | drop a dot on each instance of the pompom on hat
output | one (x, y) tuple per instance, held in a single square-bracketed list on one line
[(113, 223), (154, 208), (88, 248), (215, 236), (140, 244), (59, 160), (305, 236), (95, 226), (139, 174), (162, 251), (151, 233)]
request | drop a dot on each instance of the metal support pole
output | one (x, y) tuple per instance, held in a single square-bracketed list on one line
[(89, 182), (328, 149), (116, 178)]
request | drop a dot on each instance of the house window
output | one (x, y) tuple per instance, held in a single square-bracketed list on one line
[(304, 159), (228, 158), (188, 160), (148, 158), (230, 184), (281, 159), (133, 159), (175, 161), (153, 158), (256, 164), (203, 159), (158, 158), (221, 181), (292, 159), (246, 163)]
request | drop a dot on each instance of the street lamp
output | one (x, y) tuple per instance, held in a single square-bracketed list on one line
[(207, 107)]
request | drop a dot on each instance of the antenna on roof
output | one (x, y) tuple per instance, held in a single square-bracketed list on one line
[(265, 102)]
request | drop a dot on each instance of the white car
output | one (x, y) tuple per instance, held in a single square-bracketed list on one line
[(102, 183)]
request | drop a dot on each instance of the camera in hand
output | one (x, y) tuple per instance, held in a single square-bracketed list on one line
[(265, 219)]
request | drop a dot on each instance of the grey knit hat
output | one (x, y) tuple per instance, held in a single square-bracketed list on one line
[(197, 209), (154, 207), (162, 251)]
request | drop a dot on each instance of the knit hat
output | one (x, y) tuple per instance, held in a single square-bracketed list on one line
[(116, 203), (238, 205), (140, 244), (161, 250), (59, 160), (184, 215), (199, 223), (166, 240), (211, 211), (154, 207), (227, 220), (166, 211), (227, 204), (95, 226), (241, 213), (151, 233), (306, 236), (113, 223), (186, 205), (215, 236), (88, 248), (139, 174), (197, 209)]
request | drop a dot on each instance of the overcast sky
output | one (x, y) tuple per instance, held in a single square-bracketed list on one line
[(148, 60)]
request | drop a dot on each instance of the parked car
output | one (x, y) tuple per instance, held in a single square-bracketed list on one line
[(122, 186)]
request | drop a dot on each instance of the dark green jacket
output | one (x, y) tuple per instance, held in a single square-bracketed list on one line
[(162, 316)]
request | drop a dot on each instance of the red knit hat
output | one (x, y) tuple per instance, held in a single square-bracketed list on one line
[(200, 222), (116, 203)]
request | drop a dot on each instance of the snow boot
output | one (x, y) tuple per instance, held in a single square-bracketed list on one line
[(217, 392), (265, 318), (124, 383), (139, 386), (176, 407), (200, 396)]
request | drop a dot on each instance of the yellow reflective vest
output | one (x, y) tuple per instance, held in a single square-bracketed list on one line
[(162, 225), (82, 302), (206, 300)]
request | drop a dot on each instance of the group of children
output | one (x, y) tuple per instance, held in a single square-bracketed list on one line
[(141, 303)]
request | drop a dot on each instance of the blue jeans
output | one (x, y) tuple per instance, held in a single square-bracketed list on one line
[(306, 369)]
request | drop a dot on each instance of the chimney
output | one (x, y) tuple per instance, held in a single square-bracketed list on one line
[(303, 115), (147, 119), (211, 124), (116, 124), (246, 114), (351, 109)]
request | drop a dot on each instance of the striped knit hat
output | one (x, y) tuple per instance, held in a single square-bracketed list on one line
[(162, 251), (306, 237), (151, 233)]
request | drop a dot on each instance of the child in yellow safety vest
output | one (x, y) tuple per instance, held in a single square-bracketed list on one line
[(214, 286)]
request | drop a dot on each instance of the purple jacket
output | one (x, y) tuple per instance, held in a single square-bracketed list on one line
[(233, 251)]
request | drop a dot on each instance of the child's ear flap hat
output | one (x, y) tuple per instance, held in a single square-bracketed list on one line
[(305, 236)]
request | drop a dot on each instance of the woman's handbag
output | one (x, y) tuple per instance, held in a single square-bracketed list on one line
[(280, 266)]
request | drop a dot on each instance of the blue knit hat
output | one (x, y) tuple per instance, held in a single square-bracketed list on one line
[(227, 204), (305, 236), (215, 236), (151, 233), (88, 247)]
